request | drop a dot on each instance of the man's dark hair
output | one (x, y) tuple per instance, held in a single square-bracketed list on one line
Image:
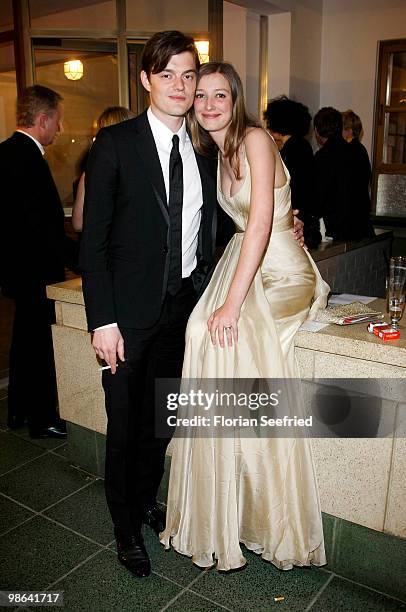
[(328, 122), (287, 117), (162, 46), (33, 100)]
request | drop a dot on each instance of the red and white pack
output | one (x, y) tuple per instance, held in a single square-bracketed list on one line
[(374, 328), (389, 334)]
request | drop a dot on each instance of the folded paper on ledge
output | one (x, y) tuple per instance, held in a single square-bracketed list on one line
[(348, 314)]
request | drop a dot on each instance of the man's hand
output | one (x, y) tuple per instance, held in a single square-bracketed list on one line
[(298, 226), (108, 344)]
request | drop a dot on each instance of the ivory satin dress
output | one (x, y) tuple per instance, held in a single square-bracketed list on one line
[(261, 492)]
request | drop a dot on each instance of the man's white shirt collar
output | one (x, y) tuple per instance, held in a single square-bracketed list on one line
[(39, 145), (163, 135)]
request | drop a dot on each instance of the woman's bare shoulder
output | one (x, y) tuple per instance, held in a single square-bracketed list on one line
[(258, 142)]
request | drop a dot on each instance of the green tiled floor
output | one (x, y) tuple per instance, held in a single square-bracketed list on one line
[(384, 565), (342, 595), (255, 587), (55, 533)]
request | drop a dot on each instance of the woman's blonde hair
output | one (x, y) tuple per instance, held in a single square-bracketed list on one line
[(114, 114), (240, 119), (351, 121)]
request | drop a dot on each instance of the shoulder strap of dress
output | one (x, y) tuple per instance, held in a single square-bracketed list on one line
[(270, 136)]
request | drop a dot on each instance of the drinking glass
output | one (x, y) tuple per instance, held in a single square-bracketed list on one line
[(397, 282)]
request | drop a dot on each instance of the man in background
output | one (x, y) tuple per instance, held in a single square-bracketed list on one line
[(33, 254), (338, 181)]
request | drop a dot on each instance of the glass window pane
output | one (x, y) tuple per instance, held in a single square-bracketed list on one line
[(6, 16), (8, 91), (148, 16), (139, 98), (397, 79), (390, 199), (84, 101), (94, 14), (394, 149)]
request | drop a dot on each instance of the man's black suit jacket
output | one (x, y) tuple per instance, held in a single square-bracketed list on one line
[(338, 192), (33, 245), (124, 255)]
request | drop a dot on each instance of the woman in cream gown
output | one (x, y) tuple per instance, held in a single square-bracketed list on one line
[(228, 491)]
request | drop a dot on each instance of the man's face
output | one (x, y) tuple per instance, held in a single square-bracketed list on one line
[(320, 139), (172, 91), (50, 126)]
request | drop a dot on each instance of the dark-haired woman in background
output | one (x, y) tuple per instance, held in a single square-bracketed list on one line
[(289, 122)]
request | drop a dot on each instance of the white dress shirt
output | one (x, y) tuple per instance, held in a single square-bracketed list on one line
[(192, 188), (39, 145)]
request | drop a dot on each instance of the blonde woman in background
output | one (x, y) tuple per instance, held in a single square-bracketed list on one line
[(352, 133), (110, 116)]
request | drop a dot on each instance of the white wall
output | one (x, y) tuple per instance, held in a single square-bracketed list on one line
[(294, 49), (279, 34), (241, 48), (350, 35), (234, 38), (302, 42), (252, 79), (305, 56)]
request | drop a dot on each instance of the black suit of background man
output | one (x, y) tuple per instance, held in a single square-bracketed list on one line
[(342, 194), (125, 262), (341, 180), (33, 253)]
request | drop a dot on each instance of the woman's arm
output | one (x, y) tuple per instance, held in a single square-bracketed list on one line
[(77, 210), (261, 158)]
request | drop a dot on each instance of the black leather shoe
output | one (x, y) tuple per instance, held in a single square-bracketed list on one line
[(132, 553), (53, 431), (155, 518)]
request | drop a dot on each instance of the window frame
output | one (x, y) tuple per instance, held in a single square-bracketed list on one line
[(385, 49)]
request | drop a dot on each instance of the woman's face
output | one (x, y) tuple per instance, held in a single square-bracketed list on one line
[(213, 102)]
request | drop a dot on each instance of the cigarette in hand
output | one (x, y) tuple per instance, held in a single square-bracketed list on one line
[(108, 367)]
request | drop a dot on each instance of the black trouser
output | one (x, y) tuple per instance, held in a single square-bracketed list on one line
[(32, 382), (134, 456)]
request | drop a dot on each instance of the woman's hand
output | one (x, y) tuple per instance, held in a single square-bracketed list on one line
[(224, 322)]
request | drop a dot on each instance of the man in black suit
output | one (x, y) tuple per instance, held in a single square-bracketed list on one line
[(147, 243), (146, 251), (339, 183), (33, 253)]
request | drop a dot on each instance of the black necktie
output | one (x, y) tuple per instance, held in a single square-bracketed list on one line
[(175, 218)]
